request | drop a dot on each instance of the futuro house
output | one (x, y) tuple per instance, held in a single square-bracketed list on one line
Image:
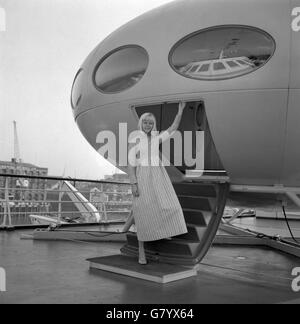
[(235, 62)]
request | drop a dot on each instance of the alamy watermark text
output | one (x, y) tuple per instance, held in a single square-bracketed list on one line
[(296, 19), (296, 281), (2, 20), (2, 280), (135, 149)]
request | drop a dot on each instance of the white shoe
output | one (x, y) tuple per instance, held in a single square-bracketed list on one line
[(143, 261)]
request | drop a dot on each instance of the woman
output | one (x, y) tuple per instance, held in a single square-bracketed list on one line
[(156, 210)]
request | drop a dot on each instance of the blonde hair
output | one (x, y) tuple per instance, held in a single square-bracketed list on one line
[(140, 124)]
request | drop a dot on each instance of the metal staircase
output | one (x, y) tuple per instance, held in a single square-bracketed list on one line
[(203, 205)]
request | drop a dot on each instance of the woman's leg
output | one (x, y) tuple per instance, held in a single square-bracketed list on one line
[(142, 255), (129, 223)]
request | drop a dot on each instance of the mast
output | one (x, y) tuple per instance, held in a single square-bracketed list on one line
[(17, 156)]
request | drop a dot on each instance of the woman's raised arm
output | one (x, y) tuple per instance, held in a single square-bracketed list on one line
[(178, 117), (164, 135)]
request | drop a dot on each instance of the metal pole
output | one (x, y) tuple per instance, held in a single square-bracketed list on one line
[(59, 201), (105, 214), (234, 216), (4, 216), (7, 204)]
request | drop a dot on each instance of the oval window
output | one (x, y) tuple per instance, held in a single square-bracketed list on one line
[(76, 90), (121, 69), (222, 52)]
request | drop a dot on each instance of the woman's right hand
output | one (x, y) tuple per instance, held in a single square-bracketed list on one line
[(135, 190), (181, 106)]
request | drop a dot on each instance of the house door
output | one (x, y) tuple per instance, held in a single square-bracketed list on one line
[(196, 149)]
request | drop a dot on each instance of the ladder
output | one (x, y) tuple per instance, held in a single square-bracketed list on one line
[(203, 204)]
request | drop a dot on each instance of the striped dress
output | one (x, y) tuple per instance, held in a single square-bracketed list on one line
[(157, 211)]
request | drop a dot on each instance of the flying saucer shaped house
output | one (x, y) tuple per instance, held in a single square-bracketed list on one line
[(236, 63)]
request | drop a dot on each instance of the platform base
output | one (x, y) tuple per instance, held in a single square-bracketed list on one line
[(153, 271), (73, 235)]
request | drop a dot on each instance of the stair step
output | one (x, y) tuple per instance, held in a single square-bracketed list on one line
[(203, 206), (195, 189), (196, 217), (192, 202), (195, 233), (172, 246)]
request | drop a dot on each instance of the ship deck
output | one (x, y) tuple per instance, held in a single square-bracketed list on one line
[(41, 272)]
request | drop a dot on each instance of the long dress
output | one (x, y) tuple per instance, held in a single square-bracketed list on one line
[(157, 211)]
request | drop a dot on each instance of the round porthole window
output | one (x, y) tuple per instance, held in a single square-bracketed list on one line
[(222, 52), (121, 69)]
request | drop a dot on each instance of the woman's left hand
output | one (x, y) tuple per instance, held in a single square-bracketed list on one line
[(135, 190)]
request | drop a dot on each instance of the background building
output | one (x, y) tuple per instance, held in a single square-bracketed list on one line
[(23, 189)]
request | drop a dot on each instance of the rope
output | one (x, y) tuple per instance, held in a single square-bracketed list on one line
[(288, 225)]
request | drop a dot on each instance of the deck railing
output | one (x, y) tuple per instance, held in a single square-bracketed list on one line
[(42, 201)]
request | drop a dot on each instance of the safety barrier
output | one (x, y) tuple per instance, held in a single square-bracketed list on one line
[(35, 201)]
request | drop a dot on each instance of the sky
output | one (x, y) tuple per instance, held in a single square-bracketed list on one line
[(41, 49)]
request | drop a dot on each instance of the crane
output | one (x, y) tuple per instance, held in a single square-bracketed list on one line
[(17, 157), (23, 183)]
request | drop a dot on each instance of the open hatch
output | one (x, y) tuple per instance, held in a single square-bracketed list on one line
[(197, 144)]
